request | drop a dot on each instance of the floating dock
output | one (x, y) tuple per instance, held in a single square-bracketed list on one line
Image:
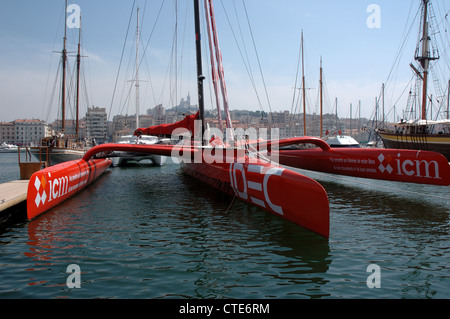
[(13, 201)]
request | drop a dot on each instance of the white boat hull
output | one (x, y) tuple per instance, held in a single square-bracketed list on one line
[(122, 159), (57, 155)]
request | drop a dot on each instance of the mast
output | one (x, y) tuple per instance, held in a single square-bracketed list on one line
[(78, 82), (351, 106), (425, 57), (376, 112), (359, 119), (336, 117), (200, 76), (64, 62), (424, 61), (448, 100), (137, 71), (321, 98), (214, 71), (382, 104), (220, 71), (303, 89)]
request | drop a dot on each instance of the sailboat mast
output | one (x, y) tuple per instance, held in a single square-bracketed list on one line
[(382, 104), (78, 82), (200, 76), (215, 75), (303, 88), (137, 70), (336, 116), (448, 100), (351, 106), (64, 62), (321, 99), (425, 58)]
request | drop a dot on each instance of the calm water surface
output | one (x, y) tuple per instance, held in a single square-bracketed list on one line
[(152, 232)]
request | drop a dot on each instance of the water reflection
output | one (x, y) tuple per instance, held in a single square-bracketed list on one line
[(402, 205), (268, 248), (153, 233)]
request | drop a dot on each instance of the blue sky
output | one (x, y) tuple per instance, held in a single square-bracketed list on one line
[(356, 59)]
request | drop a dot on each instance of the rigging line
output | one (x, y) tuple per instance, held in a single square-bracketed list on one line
[(141, 23), (187, 44), (443, 37), (131, 64), (174, 57), (295, 85), (179, 56), (71, 92), (231, 204), (243, 43), (249, 68), (246, 64), (220, 71), (121, 57), (148, 42), (50, 65), (151, 82), (401, 94), (124, 98), (85, 91), (55, 85), (213, 69), (257, 56), (83, 73), (153, 30), (400, 49), (242, 38)]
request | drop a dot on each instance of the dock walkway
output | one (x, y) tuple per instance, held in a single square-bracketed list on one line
[(13, 199)]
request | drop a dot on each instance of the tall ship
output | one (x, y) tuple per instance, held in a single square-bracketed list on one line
[(64, 146), (423, 132)]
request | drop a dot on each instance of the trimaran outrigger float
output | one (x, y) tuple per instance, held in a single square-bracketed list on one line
[(254, 177)]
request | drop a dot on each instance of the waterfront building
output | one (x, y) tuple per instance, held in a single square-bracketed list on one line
[(30, 132), (96, 124), (7, 133)]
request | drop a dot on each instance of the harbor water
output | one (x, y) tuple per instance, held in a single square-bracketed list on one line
[(152, 232)]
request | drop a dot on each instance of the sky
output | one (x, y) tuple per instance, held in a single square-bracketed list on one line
[(357, 40)]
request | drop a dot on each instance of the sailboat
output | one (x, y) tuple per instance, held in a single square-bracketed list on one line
[(232, 169), (8, 148), (421, 133), (123, 158), (336, 139), (63, 147)]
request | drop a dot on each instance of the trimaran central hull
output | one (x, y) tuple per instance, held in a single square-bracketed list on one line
[(280, 191)]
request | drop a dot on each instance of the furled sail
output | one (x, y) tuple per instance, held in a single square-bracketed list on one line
[(168, 129)]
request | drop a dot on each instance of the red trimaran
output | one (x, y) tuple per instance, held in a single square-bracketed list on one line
[(254, 178)]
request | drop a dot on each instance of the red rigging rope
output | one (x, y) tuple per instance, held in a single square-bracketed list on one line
[(214, 72), (212, 25)]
